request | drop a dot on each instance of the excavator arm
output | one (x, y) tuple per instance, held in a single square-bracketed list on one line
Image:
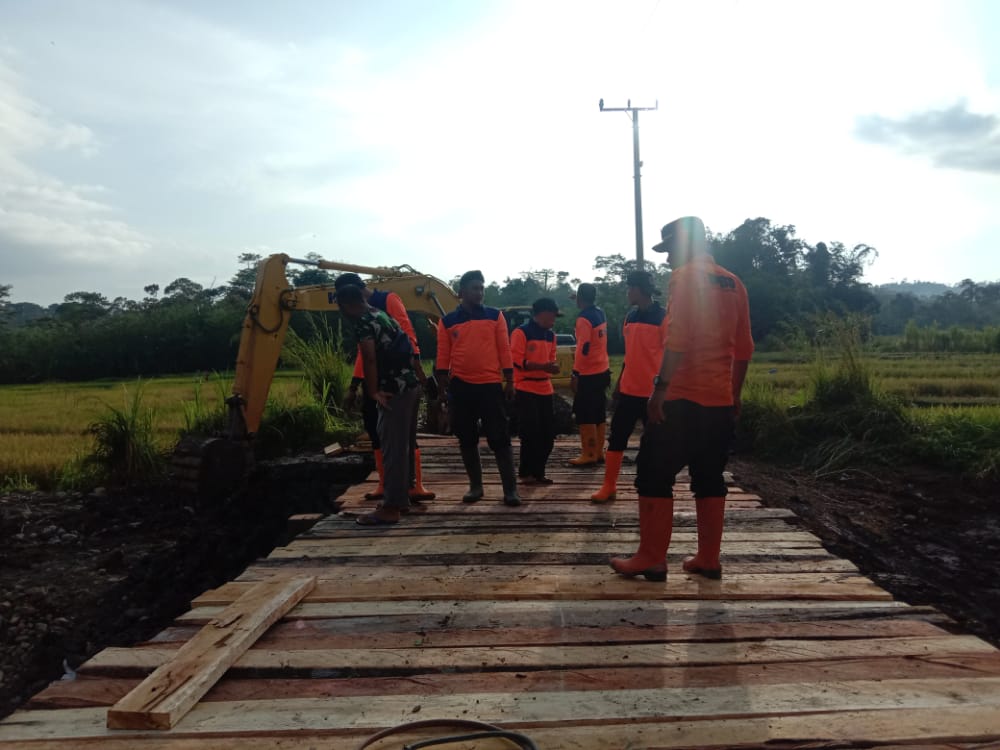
[(269, 312), (210, 467)]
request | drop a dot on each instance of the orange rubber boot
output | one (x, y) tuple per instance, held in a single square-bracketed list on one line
[(602, 431), (611, 470), (418, 491), (711, 512), (588, 446), (380, 468), (656, 522)]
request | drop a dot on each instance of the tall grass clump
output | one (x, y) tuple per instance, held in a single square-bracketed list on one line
[(765, 425), (125, 453), (290, 426), (321, 359), (202, 417), (842, 418)]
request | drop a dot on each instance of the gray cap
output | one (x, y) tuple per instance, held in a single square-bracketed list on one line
[(686, 231)]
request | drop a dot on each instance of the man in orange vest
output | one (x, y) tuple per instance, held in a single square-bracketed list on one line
[(591, 377), (695, 401), (533, 351), (473, 352), (645, 333)]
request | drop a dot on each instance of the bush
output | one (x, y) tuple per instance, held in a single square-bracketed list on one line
[(203, 419), (125, 452), (289, 427)]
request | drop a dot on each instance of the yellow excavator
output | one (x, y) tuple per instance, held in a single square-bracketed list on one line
[(213, 465)]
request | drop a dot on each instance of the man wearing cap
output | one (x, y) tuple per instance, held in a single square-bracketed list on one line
[(391, 304), (533, 351), (473, 352), (696, 398), (390, 379), (591, 377), (645, 333)]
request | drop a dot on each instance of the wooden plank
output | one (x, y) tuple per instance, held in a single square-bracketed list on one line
[(417, 659), (962, 728), (90, 690), (333, 449), (457, 544), (979, 696), (493, 504), (795, 562), (331, 634), (789, 537), (499, 521), (586, 613), (177, 685), (598, 585), (551, 493)]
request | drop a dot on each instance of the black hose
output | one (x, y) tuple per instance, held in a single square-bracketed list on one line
[(485, 731), (522, 742)]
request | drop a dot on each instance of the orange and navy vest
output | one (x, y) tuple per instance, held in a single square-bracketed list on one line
[(591, 356), (645, 333), (474, 346), (532, 343)]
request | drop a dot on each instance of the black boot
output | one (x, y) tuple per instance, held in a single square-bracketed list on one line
[(474, 468), (508, 477)]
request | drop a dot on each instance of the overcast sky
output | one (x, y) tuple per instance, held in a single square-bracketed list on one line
[(145, 141)]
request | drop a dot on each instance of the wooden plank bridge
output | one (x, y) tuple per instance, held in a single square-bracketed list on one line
[(511, 616)]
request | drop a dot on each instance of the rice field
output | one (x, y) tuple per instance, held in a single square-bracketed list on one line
[(43, 427), (918, 379)]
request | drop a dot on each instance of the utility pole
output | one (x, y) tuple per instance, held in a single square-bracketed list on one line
[(637, 165)]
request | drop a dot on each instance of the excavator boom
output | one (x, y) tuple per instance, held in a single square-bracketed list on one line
[(208, 466), (270, 309)]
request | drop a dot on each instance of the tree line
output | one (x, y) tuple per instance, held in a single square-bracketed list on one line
[(792, 285)]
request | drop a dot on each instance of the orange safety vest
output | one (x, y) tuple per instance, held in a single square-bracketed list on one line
[(645, 333), (532, 343)]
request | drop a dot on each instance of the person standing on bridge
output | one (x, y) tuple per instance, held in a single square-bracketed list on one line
[(533, 351), (695, 401), (473, 352), (591, 377), (391, 304), (391, 382), (645, 333)]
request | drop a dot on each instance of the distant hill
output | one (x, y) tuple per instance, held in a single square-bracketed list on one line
[(923, 289)]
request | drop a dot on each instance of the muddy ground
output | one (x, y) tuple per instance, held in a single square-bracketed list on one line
[(79, 573)]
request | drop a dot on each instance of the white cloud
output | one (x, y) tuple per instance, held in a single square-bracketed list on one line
[(179, 136)]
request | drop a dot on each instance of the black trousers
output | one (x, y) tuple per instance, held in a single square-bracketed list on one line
[(472, 403), (536, 428), (628, 411), (690, 435), (590, 404)]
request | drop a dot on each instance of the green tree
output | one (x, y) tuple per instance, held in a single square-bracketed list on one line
[(243, 282), (183, 289), (310, 275), (78, 308)]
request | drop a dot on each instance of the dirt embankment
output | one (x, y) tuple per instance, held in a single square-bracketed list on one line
[(80, 572), (926, 537)]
